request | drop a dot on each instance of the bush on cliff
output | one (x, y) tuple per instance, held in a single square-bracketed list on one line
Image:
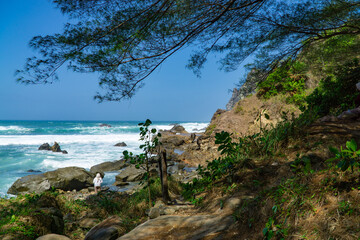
[(337, 92)]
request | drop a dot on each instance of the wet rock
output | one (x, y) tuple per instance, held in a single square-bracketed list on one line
[(32, 170), (56, 147), (105, 125), (120, 144), (45, 146)]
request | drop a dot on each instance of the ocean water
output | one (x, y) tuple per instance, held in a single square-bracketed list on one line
[(86, 142)]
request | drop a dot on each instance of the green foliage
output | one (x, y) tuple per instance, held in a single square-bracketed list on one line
[(325, 56), (302, 164), (335, 93), (150, 137), (345, 208), (348, 157), (272, 229), (126, 41), (234, 154), (287, 79)]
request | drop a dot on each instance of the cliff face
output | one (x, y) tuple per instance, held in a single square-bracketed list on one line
[(249, 87)]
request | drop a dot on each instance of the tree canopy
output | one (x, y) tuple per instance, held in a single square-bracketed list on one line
[(126, 40)]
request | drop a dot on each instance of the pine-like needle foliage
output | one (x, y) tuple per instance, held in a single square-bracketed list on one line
[(126, 40)]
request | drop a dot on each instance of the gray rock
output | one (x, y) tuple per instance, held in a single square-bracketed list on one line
[(32, 170), (66, 179), (45, 146), (109, 229), (108, 166), (133, 174), (53, 237), (178, 129), (249, 87), (120, 184), (56, 147), (154, 212), (121, 144), (88, 222)]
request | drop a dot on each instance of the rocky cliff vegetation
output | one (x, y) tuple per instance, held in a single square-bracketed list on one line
[(283, 163)]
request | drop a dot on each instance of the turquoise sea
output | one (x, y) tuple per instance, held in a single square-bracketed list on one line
[(86, 142)]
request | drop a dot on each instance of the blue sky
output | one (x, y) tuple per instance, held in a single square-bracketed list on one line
[(172, 93)]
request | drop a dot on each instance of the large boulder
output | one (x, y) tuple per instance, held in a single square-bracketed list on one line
[(133, 174), (68, 178), (109, 229), (53, 237), (108, 166)]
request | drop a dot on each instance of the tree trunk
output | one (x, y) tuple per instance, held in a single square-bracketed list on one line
[(148, 180), (163, 177)]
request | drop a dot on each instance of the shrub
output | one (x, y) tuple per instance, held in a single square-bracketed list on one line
[(287, 79), (335, 93)]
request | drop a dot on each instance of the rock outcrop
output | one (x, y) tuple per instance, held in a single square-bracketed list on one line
[(178, 129), (54, 148), (181, 228), (108, 166), (68, 178), (249, 87)]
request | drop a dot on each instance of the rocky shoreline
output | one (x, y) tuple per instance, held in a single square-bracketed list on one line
[(185, 151)]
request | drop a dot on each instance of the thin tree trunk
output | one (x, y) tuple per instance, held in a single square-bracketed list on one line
[(164, 177), (148, 180)]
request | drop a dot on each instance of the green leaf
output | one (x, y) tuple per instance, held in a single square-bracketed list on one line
[(265, 231), (351, 145), (267, 116)]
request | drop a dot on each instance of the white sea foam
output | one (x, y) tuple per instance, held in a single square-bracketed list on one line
[(189, 127), (65, 139), (14, 129), (194, 127)]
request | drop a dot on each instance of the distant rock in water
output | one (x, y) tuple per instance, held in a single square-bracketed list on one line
[(249, 87), (121, 144), (32, 170), (45, 146), (54, 148), (105, 125)]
